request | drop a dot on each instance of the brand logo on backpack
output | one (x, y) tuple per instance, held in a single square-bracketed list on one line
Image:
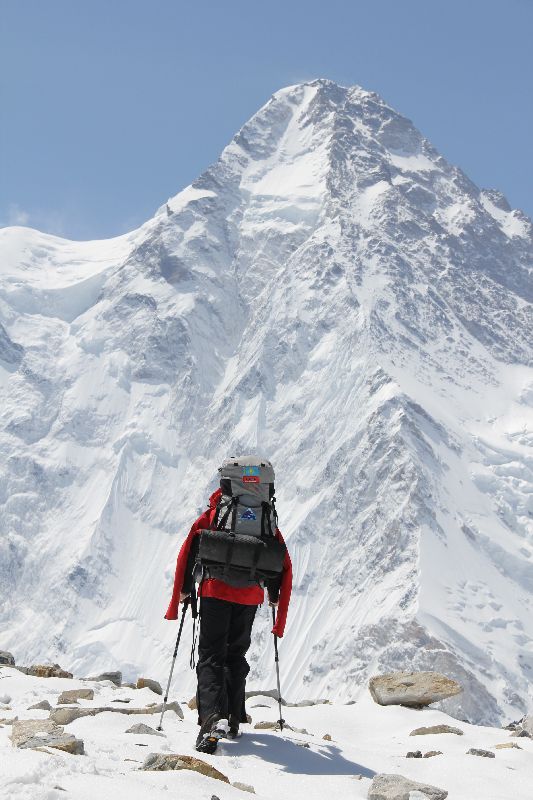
[(248, 514), (251, 474)]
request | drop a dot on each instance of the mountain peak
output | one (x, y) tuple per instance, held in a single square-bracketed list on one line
[(330, 292)]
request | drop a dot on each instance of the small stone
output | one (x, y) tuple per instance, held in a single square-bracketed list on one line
[(431, 753), (265, 693), (44, 705), (397, 787), (73, 695), (67, 714), (64, 716), (142, 728), (48, 671), (433, 729), (244, 787), (162, 762), (303, 744), (39, 733), (414, 754), (6, 659), (122, 700), (114, 677), (148, 683), (413, 689), (474, 751), (327, 737), (507, 745)]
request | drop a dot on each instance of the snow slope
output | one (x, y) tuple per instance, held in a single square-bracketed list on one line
[(365, 739), (331, 293)]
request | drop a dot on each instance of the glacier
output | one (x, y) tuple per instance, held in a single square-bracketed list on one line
[(330, 293)]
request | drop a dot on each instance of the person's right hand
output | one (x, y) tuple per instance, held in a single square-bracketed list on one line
[(183, 597)]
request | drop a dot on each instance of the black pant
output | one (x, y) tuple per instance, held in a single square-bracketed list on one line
[(225, 631)]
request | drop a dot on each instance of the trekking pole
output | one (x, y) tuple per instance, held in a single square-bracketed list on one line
[(185, 604), (281, 721)]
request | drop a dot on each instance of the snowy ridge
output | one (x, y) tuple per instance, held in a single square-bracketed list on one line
[(331, 293)]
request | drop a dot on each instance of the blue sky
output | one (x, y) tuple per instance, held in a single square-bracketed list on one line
[(111, 106)]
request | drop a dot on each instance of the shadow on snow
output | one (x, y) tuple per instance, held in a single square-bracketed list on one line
[(291, 757)]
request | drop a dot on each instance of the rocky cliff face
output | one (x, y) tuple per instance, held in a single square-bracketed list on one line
[(331, 293)]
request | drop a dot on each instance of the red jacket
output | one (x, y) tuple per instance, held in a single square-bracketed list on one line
[(250, 595)]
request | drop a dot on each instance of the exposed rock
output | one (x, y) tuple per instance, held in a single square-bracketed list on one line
[(140, 727), (327, 737), (73, 695), (414, 754), (265, 693), (506, 745), (526, 725), (244, 787), (161, 762), (38, 733), (6, 659), (148, 683), (265, 726), (122, 700), (396, 787), (44, 705), (129, 685), (63, 716), (413, 689), (157, 709), (193, 704), (436, 729), (305, 703), (114, 677), (48, 671), (474, 751), (431, 753)]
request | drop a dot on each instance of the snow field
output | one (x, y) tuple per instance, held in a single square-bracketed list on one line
[(366, 739)]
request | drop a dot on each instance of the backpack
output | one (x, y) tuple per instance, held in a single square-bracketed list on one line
[(243, 549)]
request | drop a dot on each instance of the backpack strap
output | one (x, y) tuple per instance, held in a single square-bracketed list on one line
[(265, 520), (230, 508), (274, 510), (229, 555), (255, 561)]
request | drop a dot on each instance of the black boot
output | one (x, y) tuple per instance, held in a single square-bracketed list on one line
[(233, 732), (211, 731)]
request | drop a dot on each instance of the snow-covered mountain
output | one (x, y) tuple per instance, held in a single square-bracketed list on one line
[(333, 294)]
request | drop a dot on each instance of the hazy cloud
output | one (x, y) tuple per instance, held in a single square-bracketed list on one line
[(16, 215)]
